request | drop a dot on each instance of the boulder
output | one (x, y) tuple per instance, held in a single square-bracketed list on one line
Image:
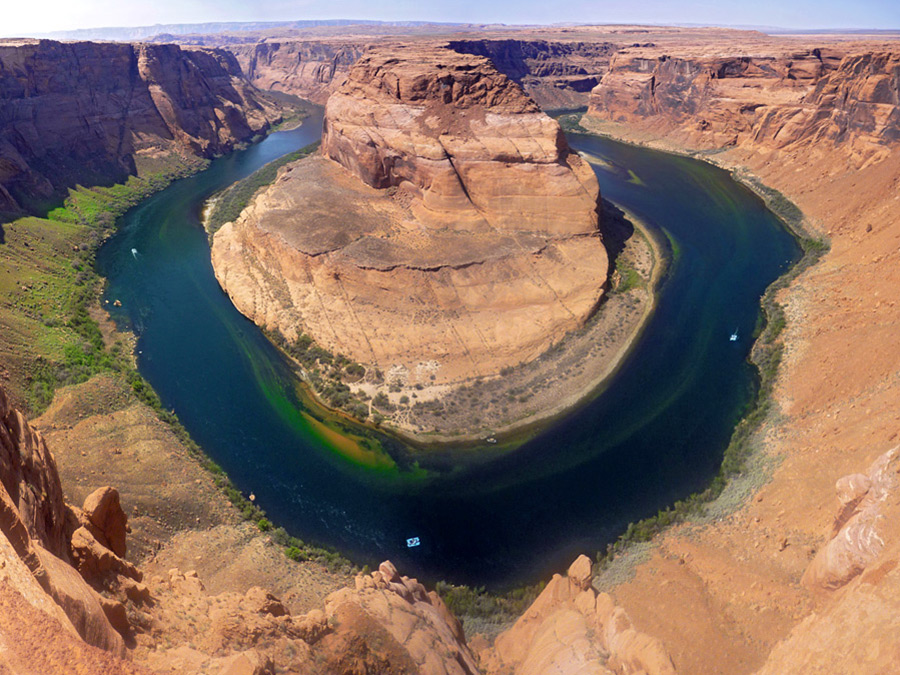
[(103, 510)]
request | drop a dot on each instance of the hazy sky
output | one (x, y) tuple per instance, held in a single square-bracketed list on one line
[(21, 17)]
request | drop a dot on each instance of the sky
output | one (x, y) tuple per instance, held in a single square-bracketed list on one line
[(22, 17)]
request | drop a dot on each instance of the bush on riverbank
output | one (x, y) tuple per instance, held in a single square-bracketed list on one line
[(230, 202)]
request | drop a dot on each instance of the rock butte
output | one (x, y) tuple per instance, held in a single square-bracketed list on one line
[(446, 231)]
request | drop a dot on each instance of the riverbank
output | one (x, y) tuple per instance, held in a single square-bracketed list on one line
[(740, 564), (64, 357)]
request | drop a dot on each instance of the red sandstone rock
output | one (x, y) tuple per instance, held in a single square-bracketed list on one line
[(76, 108), (570, 628), (103, 510), (454, 234)]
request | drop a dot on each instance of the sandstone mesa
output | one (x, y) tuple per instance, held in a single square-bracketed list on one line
[(446, 232)]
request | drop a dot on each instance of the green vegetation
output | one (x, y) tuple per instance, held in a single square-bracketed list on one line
[(326, 374), (48, 299), (230, 202), (571, 123), (48, 286), (628, 277), (478, 606)]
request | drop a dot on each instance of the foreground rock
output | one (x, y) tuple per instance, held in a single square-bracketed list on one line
[(446, 233), (571, 628)]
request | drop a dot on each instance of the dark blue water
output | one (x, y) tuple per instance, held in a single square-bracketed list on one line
[(654, 436)]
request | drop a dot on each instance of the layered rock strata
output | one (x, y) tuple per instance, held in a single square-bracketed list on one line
[(814, 97), (788, 583), (86, 113), (555, 74), (308, 69), (446, 232)]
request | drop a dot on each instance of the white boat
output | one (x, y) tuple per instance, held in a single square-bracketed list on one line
[(412, 542), (734, 336)]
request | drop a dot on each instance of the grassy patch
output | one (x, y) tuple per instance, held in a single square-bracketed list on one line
[(47, 285), (229, 203), (627, 277)]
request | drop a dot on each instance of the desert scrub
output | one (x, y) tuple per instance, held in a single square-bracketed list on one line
[(484, 611), (229, 203), (326, 374)]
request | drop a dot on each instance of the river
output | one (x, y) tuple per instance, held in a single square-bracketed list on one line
[(656, 434)]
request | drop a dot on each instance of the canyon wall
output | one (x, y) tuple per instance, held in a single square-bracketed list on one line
[(813, 97), (446, 232), (794, 580), (87, 113), (555, 74), (310, 70)]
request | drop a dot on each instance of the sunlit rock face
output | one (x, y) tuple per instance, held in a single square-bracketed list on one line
[(446, 232)]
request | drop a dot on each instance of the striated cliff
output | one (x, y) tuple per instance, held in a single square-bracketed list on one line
[(310, 70), (812, 97), (90, 113), (446, 232), (555, 74), (793, 580)]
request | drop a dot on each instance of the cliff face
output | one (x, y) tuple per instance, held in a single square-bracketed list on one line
[(451, 233), (812, 97), (85, 113), (310, 70), (70, 602), (555, 74)]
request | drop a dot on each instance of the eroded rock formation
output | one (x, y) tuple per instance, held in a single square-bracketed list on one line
[(810, 97), (556, 74), (310, 70), (571, 628), (87, 113), (447, 231), (36, 527)]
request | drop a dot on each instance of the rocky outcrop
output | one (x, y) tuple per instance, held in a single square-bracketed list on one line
[(88, 113), (34, 523), (308, 69), (447, 232), (556, 74), (570, 628), (816, 98), (387, 623), (857, 538)]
